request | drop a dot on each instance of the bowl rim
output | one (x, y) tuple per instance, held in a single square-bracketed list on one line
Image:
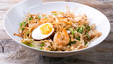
[(55, 51)]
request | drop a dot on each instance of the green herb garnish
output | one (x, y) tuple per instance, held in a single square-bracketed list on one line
[(77, 29), (41, 48), (25, 44), (27, 32), (39, 17), (80, 29), (20, 24), (30, 18), (87, 27), (55, 14), (78, 38), (72, 31), (22, 29), (24, 23), (71, 42), (31, 45), (43, 44), (86, 43), (87, 35)]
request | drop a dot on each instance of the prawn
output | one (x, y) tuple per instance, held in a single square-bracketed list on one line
[(61, 38)]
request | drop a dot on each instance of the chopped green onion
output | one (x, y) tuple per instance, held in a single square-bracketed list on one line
[(87, 27), (43, 44), (31, 45), (81, 30), (22, 29), (27, 32), (55, 14), (49, 48), (76, 30), (20, 24), (74, 42), (25, 44), (72, 31), (40, 48), (87, 35), (78, 38), (86, 43), (71, 42), (22, 43), (25, 23), (30, 18), (39, 17)]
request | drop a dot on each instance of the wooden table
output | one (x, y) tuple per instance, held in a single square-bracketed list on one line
[(12, 53)]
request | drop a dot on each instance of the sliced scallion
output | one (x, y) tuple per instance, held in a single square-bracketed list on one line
[(41, 48), (87, 27), (71, 42), (25, 23), (72, 31), (86, 43), (55, 14), (31, 45), (78, 38), (27, 32), (20, 24), (30, 18), (39, 17), (43, 44), (74, 42), (87, 35), (25, 44), (22, 29), (81, 30)]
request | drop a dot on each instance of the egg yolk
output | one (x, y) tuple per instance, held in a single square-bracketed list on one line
[(45, 29)]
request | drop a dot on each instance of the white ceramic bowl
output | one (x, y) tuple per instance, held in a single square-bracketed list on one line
[(15, 15)]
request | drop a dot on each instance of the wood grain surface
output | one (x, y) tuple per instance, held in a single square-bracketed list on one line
[(12, 53)]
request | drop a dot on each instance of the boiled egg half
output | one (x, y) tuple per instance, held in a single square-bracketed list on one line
[(43, 31)]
